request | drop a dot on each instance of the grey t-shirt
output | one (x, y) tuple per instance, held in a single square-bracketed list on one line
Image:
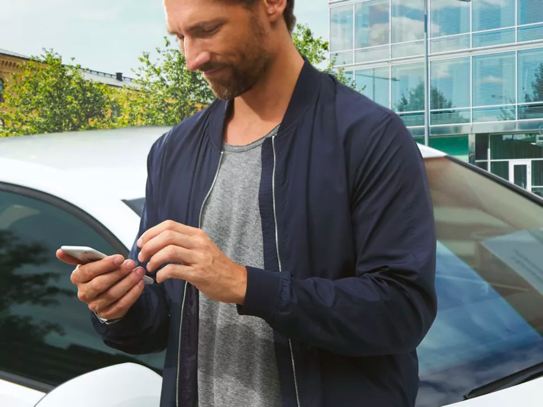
[(236, 355)]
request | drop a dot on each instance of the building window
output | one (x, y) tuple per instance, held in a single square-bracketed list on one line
[(449, 18), (341, 28), (488, 14), (449, 91), (530, 11), (371, 23), (530, 84), (407, 20), (374, 83), (408, 93), (494, 86)]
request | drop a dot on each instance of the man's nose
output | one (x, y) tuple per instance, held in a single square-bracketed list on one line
[(195, 57)]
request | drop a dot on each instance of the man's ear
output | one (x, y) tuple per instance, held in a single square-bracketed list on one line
[(275, 9)]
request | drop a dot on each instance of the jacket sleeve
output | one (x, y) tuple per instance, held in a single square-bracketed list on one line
[(388, 304), (144, 329)]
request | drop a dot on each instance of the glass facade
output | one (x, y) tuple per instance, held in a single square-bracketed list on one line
[(485, 74)]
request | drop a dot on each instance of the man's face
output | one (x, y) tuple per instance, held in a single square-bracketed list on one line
[(224, 40)]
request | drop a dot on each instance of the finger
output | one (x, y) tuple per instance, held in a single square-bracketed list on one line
[(121, 307), (89, 271), (117, 291), (171, 254), (176, 271), (163, 239), (161, 227), (63, 257), (88, 292)]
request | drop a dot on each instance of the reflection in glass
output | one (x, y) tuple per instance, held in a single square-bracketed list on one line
[(493, 79), (374, 83), (452, 43), (408, 89), (47, 330), (490, 307), (372, 54), (451, 116), (487, 38), (493, 114), (341, 28), (342, 58), (407, 20), (489, 14), (448, 79), (530, 75), (530, 11), (530, 33), (371, 23), (407, 49), (448, 17), (413, 119)]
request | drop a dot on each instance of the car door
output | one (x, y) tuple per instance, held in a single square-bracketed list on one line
[(46, 336)]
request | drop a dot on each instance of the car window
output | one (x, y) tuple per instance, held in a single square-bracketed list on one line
[(489, 282), (45, 332)]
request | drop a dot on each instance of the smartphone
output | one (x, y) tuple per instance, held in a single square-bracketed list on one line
[(86, 254)]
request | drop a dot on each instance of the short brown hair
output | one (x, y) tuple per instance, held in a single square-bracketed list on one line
[(290, 19)]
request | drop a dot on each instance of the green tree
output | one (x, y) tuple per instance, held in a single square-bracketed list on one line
[(537, 86), (47, 96), (315, 49), (168, 92), (414, 101)]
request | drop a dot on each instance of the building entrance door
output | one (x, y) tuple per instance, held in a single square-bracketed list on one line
[(520, 173)]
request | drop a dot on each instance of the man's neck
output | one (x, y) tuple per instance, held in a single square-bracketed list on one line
[(263, 107)]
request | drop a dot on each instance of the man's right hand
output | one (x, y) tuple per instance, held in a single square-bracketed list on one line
[(109, 286)]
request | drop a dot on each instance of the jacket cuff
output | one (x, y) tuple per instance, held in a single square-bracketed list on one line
[(263, 291), (121, 327)]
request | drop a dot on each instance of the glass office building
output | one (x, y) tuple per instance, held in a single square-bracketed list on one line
[(486, 74)]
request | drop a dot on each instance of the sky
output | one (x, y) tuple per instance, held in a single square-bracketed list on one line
[(104, 35)]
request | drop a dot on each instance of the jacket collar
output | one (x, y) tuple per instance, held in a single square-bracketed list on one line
[(305, 90)]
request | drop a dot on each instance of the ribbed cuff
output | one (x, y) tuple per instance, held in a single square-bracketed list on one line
[(263, 290)]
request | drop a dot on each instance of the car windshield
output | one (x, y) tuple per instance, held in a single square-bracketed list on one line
[(489, 282)]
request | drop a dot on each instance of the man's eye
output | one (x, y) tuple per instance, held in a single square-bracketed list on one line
[(209, 30)]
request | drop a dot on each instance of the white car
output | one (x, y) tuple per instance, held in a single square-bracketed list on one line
[(87, 189)]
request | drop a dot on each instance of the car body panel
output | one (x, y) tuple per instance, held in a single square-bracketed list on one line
[(527, 394)]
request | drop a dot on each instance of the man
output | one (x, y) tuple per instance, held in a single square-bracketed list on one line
[(290, 228)]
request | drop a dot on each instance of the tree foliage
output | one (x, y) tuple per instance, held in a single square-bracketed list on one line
[(537, 86), (48, 96)]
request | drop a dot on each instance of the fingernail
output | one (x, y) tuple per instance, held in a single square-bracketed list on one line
[(138, 243), (118, 260), (140, 257), (129, 263)]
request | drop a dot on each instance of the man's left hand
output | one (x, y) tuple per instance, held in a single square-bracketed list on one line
[(190, 255)]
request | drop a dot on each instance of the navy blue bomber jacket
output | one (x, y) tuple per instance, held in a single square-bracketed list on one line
[(349, 250)]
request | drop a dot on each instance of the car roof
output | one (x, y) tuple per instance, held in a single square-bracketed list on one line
[(114, 159), (93, 170)]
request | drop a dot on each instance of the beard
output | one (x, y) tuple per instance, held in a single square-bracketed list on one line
[(240, 75)]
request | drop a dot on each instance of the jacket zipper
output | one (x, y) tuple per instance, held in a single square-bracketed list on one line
[(281, 269), (185, 290)]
